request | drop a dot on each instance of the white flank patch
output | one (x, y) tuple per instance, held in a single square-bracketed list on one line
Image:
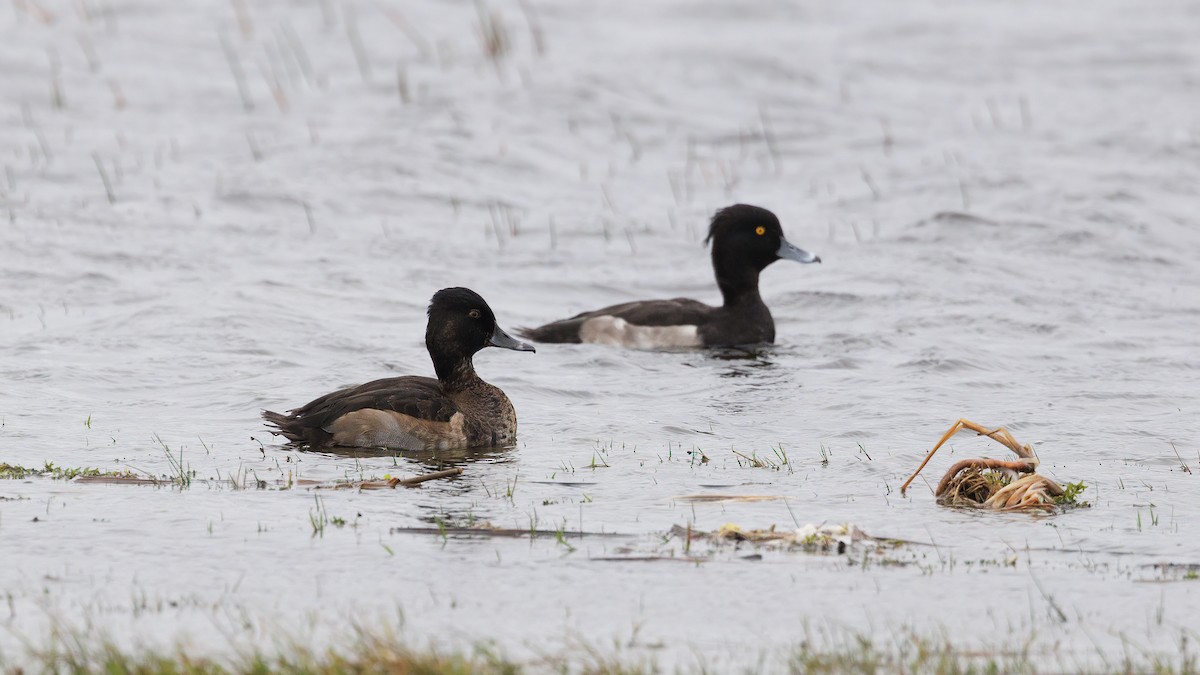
[(617, 332)]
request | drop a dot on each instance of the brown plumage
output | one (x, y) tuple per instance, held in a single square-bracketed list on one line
[(457, 410)]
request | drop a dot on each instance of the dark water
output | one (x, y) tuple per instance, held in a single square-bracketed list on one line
[(1003, 196)]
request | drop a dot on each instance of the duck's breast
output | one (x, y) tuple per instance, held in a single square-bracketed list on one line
[(490, 419)]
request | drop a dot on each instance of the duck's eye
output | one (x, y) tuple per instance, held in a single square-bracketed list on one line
[(760, 230), (474, 314)]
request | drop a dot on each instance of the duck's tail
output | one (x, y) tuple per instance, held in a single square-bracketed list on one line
[(286, 426), (565, 331)]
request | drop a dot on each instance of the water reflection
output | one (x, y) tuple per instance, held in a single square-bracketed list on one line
[(432, 459), (752, 379), (744, 361)]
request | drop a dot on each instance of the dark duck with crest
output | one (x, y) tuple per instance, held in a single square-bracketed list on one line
[(745, 240), (457, 410)]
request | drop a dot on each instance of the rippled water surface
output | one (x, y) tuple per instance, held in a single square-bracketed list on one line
[(1003, 194)]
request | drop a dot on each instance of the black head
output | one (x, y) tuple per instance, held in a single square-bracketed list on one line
[(745, 239), (461, 324), (754, 235)]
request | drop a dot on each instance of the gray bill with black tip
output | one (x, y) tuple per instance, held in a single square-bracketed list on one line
[(790, 252), (501, 339)]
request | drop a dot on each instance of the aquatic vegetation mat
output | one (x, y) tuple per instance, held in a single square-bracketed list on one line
[(241, 481), (685, 543), (996, 484), (50, 470), (810, 538)]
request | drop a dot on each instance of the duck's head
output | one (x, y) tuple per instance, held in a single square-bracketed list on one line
[(751, 236), (461, 324)]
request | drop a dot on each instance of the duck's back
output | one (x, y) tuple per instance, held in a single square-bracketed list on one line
[(646, 324), (409, 413)]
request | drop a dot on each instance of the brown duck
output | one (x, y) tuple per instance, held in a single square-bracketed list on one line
[(457, 410)]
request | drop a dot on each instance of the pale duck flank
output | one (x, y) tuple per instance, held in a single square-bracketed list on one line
[(617, 332)]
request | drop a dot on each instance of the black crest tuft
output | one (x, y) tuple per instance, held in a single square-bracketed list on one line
[(740, 217)]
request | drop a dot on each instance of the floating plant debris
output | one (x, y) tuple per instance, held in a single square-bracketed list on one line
[(994, 483)]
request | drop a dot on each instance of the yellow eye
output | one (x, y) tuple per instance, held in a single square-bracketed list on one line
[(760, 230)]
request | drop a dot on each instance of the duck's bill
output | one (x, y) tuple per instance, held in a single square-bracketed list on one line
[(790, 252), (505, 341)]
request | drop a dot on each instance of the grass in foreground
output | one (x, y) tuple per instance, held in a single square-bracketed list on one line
[(80, 652)]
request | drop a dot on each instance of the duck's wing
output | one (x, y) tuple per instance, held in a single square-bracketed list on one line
[(419, 397), (409, 413), (645, 324)]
